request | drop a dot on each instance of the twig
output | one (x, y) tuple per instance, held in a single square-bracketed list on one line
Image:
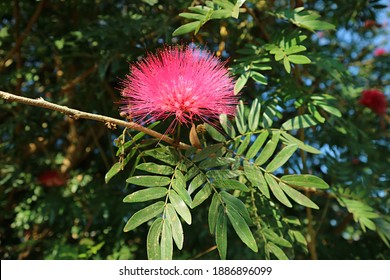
[(79, 78), (76, 114), (27, 30)]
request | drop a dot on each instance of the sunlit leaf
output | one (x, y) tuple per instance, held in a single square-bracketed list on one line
[(149, 181), (271, 247), (254, 115), (146, 194), (237, 204), (213, 212), (153, 240), (166, 242), (180, 206), (155, 168), (241, 228), (115, 169), (281, 158), (305, 180), (269, 149), (276, 190), (221, 233), (256, 177), (298, 197), (202, 195), (298, 122), (177, 229), (214, 133), (144, 215), (256, 146)]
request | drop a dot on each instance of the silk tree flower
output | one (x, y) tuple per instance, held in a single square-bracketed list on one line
[(379, 52), (184, 82), (375, 100)]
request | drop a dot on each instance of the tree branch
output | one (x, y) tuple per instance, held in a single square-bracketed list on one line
[(27, 30), (76, 114)]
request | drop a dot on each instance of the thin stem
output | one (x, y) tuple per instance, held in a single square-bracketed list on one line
[(23, 36), (76, 114)]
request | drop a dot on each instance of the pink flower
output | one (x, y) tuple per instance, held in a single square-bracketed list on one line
[(375, 100), (187, 83), (379, 52)]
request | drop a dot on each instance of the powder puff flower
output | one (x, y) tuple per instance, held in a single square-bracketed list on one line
[(184, 82), (379, 52), (375, 100)]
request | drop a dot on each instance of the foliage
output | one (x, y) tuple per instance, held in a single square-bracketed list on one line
[(300, 172)]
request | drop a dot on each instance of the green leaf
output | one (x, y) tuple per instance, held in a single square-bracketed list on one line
[(254, 115), (256, 177), (276, 190), (241, 82), (215, 162), (202, 195), (196, 183), (223, 174), (166, 154), (298, 197), (317, 25), (230, 184), (295, 49), (166, 241), (206, 152), (179, 185), (215, 134), (298, 122), (292, 140), (269, 149), (282, 157), (113, 171), (149, 181), (315, 113), (260, 78), (176, 227), (146, 195), (221, 233), (299, 59), (153, 240), (305, 180), (244, 144), (186, 28), (269, 115), (256, 146), (236, 8), (180, 206), (298, 236), (227, 125), (271, 247), (286, 64), (275, 238), (155, 168), (213, 212), (199, 17), (241, 228), (237, 204), (144, 215), (240, 118)]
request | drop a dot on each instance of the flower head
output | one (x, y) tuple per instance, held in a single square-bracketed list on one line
[(379, 52), (375, 100), (187, 83)]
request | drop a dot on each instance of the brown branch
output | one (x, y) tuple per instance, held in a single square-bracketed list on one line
[(76, 114), (79, 78), (23, 36)]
